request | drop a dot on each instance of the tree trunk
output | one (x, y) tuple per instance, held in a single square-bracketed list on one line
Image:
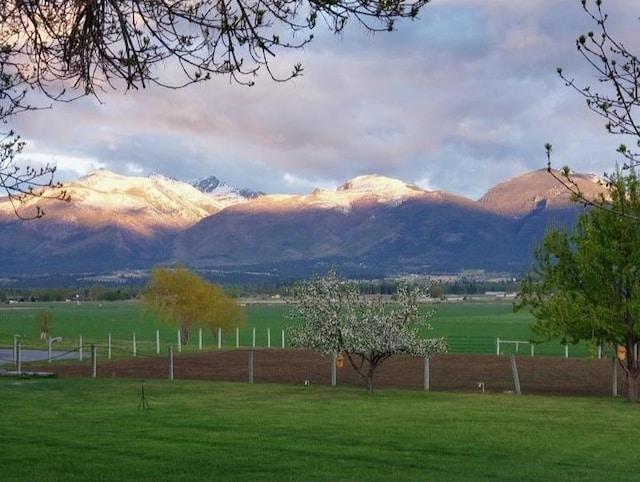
[(369, 377), (633, 382), (185, 335)]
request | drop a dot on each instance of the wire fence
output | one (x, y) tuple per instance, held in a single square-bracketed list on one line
[(483, 373)]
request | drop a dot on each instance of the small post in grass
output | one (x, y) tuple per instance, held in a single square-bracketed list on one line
[(237, 337), (219, 338), (199, 338), (80, 349), (179, 342), (135, 349), (268, 337), (253, 343), (157, 342), (109, 347), (143, 403)]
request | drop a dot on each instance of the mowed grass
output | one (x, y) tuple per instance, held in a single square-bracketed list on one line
[(93, 429), (471, 327)]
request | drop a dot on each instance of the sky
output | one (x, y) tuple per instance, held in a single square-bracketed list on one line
[(459, 100)]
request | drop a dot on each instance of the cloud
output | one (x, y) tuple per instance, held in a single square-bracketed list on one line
[(459, 100)]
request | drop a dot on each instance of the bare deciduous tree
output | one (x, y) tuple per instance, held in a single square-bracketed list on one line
[(615, 97), (86, 45), (25, 183)]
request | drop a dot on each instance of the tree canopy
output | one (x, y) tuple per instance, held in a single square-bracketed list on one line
[(185, 300), (585, 283), (336, 318)]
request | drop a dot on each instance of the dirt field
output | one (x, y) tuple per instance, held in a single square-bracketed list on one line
[(471, 373)]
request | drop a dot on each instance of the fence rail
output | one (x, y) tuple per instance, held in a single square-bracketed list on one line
[(76, 347)]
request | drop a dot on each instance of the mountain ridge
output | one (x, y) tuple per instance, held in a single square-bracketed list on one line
[(370, 223)]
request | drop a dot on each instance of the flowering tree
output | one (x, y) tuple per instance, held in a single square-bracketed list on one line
[(336, 317)]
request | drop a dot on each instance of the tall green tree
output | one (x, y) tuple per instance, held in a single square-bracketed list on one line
[(585, 283), (183, 299), (336, 318)]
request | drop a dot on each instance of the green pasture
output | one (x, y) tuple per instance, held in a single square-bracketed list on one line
[(96, 429), (471, 327)]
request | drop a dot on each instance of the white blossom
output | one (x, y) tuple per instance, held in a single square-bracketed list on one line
[(336, 318)]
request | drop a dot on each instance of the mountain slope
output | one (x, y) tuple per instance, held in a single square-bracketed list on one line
[(372, 220), (369, 225), (529, 192), (111, 221)]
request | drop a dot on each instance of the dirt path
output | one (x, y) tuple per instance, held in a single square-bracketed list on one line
[(451, 372)]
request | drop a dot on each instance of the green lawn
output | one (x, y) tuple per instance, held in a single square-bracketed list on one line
[(92, 429), (471, 327)]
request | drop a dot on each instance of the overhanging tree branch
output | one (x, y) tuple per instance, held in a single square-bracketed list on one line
[(615, 98)]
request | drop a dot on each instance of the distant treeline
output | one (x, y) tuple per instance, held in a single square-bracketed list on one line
[(101, 292)]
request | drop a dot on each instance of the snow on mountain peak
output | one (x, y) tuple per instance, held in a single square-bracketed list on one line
[(224, 193), (377, 184), (368, 188)]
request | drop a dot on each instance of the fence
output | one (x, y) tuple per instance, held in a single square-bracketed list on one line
[(450, 372), (269, 339)]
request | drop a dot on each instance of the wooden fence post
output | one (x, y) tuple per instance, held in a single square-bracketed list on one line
[(94, 361), (426, 374), (514, 369), (170, 362)]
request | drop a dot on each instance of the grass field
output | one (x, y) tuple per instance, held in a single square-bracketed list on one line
[(471, 327), (93, 429)]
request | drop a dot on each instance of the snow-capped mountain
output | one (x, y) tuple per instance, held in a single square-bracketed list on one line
[(144, 204), (223, 192), (370, 224)]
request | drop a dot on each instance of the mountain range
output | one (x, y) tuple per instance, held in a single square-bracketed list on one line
[(369, 226)]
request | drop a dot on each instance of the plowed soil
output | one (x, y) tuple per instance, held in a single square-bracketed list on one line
[(451, 372)]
